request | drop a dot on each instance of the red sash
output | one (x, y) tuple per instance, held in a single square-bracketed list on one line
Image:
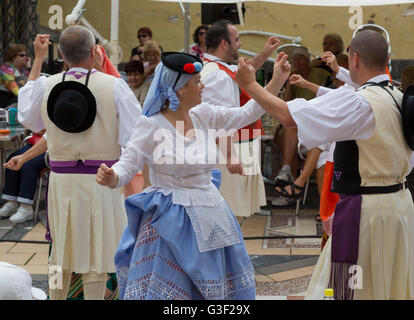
[(244, 97)]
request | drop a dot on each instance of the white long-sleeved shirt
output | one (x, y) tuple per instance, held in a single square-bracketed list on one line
[(220, 89), (339, 101), (31, 96), (338, 115)]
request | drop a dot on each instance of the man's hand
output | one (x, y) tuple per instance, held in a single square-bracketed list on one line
[(246, 74), (271, 45), (41, 45), (330, 59), (235, 168), (297, 80), (15, 163), (282, 67), (106, 176)]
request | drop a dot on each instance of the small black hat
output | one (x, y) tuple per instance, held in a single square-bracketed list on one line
[(407, 115), (182, 63), (71, 106)]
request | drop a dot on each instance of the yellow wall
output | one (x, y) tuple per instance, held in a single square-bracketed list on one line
[(311, 23)]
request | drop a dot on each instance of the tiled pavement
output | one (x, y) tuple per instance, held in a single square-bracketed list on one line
[(281, 272)]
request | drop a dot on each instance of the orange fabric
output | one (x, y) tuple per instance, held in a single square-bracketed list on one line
[(244, 97), (107, 65), (134, 186), (389, 74), (328, 199)]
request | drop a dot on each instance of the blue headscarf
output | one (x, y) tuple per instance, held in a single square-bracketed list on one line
[(161, 90), (165, 84)]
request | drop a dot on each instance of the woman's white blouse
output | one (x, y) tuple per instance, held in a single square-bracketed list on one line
[(182, 167), (174, 159)]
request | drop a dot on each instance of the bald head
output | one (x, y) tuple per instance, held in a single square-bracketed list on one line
[(372, 49)]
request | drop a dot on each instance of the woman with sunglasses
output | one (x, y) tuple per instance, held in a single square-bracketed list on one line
[(199, 37), (182, 240), (144, 34), (13, 73)]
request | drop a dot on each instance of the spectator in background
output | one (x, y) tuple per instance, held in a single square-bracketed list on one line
[(135, 73), (151, 52), (13, 73), (20, 186), (199, 37), (144, 34), (331, 42), (315, 157), (288, 140)]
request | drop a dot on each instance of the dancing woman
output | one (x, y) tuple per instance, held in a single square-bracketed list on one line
[(182, 240)]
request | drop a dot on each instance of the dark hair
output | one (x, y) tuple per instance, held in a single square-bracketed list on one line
[(145, 30), (339, 43), (134, 66), (13, 51), (195, 34), (217, 32), (372, 48)]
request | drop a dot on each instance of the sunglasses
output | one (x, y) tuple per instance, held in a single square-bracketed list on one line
[(142, 36), (202, 33), (23, 55)]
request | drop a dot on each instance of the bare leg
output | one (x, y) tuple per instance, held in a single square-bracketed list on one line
[(290, 149), (309, 166)]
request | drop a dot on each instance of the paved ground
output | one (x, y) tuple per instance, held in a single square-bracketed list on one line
[(281, 272)]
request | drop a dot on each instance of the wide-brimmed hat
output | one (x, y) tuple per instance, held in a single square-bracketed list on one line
[(407, 115), (71, 106), (16, 284)]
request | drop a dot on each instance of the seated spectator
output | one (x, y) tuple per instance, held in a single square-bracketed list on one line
[(199, 37), (144, 34), (316, 157), (135, 74), (13, 73), (288, 141), (151, 52), (20, 186)]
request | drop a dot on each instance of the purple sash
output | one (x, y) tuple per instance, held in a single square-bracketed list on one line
[(76, 166), (79, 166), (345, 242)]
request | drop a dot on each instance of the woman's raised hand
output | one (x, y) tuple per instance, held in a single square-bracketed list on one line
[(106, 176)]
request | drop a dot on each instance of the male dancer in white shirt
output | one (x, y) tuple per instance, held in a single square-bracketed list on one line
[(244, 192), (86, 221), (372, 238)]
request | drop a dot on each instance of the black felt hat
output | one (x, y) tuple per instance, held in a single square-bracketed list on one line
[(71, 106), (407, 115), (182, 63)]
